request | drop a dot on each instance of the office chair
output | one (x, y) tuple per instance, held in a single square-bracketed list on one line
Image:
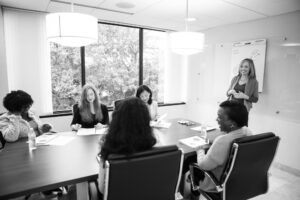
[(117, 103), (2, 141), (246, 171), (147, 175)]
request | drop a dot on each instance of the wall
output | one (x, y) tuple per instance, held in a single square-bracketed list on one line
[(278, 109), (3, 69), (63, 123)]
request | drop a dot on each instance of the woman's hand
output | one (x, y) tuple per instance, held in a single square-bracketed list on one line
[(75, 127), (99, 126), (232, 92)]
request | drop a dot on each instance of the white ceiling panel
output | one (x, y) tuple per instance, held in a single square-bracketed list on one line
[(139, 5), (268, 7), (62, 7), (40, 5)]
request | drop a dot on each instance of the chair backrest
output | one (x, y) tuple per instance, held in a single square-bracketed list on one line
[(147, 175), (117, 103), (246, 174), (2, 141)]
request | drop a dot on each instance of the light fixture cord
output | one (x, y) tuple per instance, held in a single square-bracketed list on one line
[(72, 6), (186, 15)]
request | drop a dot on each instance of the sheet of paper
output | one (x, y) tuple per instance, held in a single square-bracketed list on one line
[(161, 124), (92, 131), (193, 142), (44, 139), (61, 140), (86, 131), (208, 128), (101, 131)]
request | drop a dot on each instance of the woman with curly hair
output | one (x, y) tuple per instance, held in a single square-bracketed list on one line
[(89, 113), (17, 122), (129, 132)]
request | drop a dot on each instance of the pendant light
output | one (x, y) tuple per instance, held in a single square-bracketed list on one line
[(72, 29), (187, 42)]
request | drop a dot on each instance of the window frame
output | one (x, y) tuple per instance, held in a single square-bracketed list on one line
[(140, 67)]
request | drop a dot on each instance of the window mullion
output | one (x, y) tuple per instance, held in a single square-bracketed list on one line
[(141, 43)]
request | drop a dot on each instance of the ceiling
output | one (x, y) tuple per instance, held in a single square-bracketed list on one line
[(167, 14)]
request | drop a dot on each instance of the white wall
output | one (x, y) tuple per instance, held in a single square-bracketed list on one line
[(3, 69), (278, 108), (63, 123)]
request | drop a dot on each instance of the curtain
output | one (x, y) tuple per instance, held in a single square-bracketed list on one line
[(28, 56)]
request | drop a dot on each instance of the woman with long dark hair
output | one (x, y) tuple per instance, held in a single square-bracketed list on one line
[(129, 132), (89, 112), (145, 94)]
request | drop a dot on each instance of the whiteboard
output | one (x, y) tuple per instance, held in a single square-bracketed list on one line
[(254, 49)]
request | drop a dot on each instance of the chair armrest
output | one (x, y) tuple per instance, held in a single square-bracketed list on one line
[(195, 170)]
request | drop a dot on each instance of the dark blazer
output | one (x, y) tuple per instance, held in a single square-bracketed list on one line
[(251, 90), (77, 117)]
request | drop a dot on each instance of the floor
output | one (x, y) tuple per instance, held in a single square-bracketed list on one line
[(283, 186)]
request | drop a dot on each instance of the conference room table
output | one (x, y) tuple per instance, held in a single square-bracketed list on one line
[(24, 171)]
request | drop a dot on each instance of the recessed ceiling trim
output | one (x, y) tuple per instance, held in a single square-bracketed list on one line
[(94, 7)]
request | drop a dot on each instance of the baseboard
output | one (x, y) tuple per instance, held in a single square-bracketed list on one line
[(286, 168)]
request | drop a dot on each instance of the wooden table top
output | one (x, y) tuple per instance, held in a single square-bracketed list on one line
[(24, 172)]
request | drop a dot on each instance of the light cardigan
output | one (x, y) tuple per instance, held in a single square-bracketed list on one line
[(217, 156), (251, 90), (13, 127)]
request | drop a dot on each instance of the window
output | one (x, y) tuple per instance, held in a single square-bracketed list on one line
[(112, 65), (155, 44), (65, 75)]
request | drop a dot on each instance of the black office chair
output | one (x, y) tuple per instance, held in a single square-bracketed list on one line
[(117, 103), (246, 172), (2, 141), (148, 175)]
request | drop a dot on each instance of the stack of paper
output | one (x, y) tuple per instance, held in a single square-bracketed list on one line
[(193, 142)]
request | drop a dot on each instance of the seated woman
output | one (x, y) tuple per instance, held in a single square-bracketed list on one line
[(233, 121), (17, 122), (89, 113), (129, 132), (145, 94)]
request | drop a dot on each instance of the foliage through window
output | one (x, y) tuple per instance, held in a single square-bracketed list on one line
[(112, 65), (65, 75)]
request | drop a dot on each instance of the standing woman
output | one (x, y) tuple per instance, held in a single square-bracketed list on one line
[(145, 94), (89, 113), (244, 86)]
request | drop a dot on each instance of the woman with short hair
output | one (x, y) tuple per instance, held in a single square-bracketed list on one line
[(233, 122), (17, 122)]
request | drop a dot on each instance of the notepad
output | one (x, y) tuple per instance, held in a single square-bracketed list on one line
[(193, 142)]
